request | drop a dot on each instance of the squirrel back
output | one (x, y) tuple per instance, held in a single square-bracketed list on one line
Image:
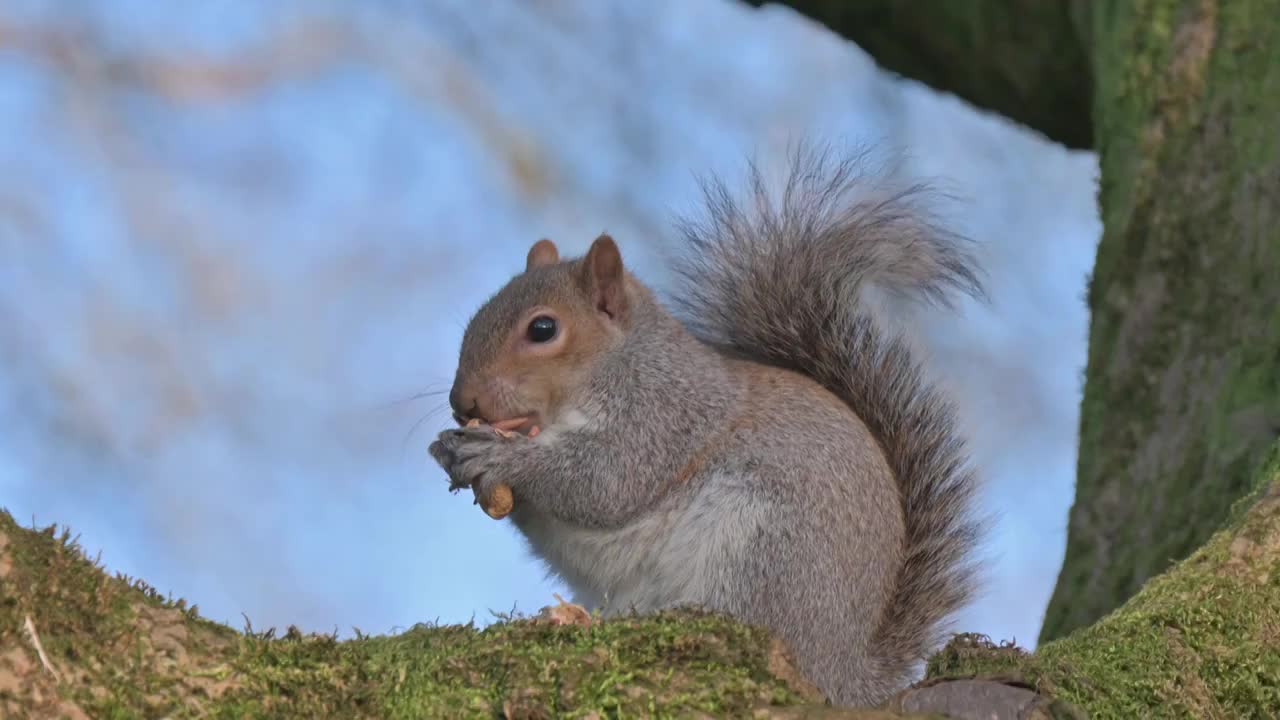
[(780, 284)]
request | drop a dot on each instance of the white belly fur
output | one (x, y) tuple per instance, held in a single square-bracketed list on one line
[(669, 557)]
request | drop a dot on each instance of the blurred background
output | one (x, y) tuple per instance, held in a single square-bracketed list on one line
[(239, 242)]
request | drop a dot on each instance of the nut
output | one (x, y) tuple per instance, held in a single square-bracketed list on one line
[(499, 503)]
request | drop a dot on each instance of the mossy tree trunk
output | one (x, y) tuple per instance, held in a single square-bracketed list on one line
[(1182, 392)]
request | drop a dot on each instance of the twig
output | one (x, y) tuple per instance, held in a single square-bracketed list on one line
[(35, 641)]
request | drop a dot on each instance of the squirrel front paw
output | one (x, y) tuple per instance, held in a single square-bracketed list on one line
[(476, 457)]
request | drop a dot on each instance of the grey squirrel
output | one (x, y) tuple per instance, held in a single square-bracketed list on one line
[(772, 452)]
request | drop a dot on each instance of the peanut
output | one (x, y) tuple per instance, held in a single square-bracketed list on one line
[(499, 502)]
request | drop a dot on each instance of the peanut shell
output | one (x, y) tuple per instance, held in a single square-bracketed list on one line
[(499, 503)]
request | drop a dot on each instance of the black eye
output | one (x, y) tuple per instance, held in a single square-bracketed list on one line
[(542, 329)]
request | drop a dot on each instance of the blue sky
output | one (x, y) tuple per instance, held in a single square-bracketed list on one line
[(236, 239)]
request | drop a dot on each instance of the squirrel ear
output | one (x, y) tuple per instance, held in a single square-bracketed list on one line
[(604, 277), (542, 253)]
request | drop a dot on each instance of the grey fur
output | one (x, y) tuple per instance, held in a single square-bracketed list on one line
[(778, 284), (777, 456)]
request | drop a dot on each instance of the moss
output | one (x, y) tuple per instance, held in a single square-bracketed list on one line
[(1200, 641), (670, 664), (971, 655), (121, 650), (1182, 393), (114, 643)]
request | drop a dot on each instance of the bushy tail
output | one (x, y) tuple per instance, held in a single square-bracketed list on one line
[(778, 281)]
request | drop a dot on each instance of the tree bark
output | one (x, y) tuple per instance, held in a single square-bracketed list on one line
[(1026, 59), (1182, 391), (1199, 641)]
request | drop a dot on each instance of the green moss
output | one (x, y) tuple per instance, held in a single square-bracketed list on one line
[(1201, 641), (673, 663), (970, 655), (121, 650), (1182, 396), (114, 643)]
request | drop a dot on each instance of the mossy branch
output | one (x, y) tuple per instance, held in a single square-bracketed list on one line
[(114, 647), (1202, 640)]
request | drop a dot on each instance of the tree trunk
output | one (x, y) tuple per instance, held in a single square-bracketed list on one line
[(1026, 59), (1182, 392)]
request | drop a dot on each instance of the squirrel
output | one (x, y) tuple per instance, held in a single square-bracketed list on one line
[(766, 449)]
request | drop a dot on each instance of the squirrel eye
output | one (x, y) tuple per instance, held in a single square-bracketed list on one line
[(542, 329)]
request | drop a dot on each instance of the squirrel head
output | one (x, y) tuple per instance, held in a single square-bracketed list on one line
[(529, 351)]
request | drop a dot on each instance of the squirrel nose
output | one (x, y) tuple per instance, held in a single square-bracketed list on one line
[(455, 403), (460, 405)]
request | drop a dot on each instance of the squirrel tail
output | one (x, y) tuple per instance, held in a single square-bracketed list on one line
[(779, 282)]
